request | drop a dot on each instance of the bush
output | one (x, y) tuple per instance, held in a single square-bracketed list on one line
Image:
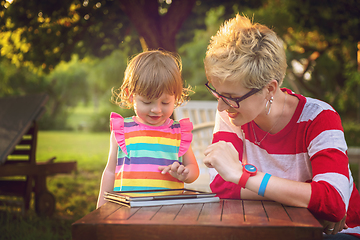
[(100, 122), (352, 133)]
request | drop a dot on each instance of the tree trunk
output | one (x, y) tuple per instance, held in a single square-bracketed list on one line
[(158, 31)]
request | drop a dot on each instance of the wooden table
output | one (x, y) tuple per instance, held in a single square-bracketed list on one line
[(227, 219)]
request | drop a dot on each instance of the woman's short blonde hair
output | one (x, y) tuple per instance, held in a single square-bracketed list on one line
[(150, 74), (246, 52)]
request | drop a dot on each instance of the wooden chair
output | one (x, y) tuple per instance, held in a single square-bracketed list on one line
[(202, 115)]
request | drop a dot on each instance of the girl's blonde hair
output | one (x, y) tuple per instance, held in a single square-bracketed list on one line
[(246, 52), (150, 74)]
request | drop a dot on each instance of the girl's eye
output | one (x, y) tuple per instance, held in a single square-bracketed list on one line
[(146, 102), (165, 103)]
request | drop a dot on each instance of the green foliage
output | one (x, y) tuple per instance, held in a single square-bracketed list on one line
[(350, 103), (19, 81), (66, 86), (107, 72), (193, 55), (103, 76)]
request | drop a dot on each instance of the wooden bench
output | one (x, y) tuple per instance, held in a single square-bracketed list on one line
[(20, 174), (202, 115)]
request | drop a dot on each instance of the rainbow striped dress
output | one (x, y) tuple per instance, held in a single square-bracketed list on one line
[(142, 149)]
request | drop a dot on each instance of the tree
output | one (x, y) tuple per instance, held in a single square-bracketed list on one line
[(42, 33), (158, 29), (321, 37), (333, 18), (321, 40), (328, 34), (54, 30)]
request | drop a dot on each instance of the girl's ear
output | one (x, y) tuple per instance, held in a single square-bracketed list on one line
[(131, 98)]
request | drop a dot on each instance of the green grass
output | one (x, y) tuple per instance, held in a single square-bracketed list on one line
[(89, 149), (76, 194), (31, 227)]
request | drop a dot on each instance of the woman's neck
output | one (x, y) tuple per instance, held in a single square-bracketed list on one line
[(282, 109)]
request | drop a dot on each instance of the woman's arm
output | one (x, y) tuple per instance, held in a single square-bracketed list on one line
[(224, 158), (108, 176), (281, 190)]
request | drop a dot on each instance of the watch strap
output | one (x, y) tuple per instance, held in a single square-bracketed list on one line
[(243, 179)]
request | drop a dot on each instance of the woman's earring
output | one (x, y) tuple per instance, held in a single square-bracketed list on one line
[(269, 102)]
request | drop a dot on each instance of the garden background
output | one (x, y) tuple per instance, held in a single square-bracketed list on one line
[(77, 51)]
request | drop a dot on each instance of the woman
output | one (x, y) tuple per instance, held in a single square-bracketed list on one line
[(294, 149)]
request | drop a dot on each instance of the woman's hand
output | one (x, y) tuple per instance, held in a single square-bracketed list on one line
[(333, 228), (225, 159), (176, 170)]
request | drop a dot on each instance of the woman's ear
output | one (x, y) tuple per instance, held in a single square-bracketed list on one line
[(272, 87)]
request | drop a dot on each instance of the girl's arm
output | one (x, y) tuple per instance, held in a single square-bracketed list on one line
[(108, 176), (190, 163), (188, 172)]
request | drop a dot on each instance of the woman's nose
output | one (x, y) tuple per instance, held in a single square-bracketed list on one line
[(222, 106)]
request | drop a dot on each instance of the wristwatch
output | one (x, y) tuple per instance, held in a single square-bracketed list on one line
[(248, 171)]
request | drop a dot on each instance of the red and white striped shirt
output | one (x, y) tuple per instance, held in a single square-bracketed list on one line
[(311, 148)]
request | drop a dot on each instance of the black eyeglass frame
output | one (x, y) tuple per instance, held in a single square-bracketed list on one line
[(237, 100)]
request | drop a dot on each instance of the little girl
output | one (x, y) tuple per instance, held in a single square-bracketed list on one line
[(150, 150)]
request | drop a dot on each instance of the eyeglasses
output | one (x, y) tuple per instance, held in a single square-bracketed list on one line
[(232, 102)]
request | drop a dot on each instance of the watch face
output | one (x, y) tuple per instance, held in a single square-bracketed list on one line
[(250, 168)]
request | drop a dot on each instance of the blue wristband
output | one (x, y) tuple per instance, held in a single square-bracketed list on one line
[(263, 184)]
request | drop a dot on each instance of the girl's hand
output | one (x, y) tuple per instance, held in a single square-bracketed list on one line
[(333, 228), (176, 170), (225, 159)]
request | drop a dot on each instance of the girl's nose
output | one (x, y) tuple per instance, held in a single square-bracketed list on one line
[(156, 108)]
